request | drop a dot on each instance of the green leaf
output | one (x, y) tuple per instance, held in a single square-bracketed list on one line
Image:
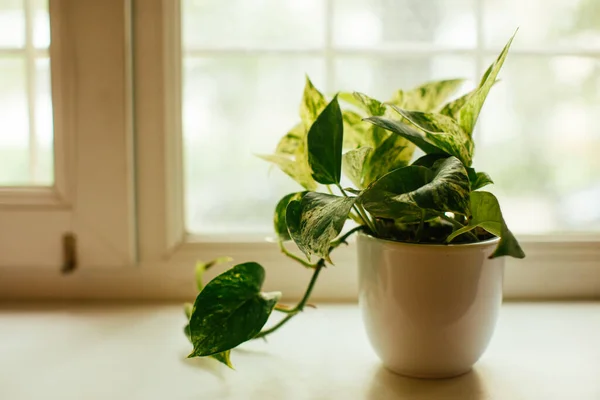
[(371, 106), (223, 357), (485, 212), (407, 132), (325, 139), (294, 168), (187, 309), (356, 131), (313, 103), (452, 108), (292, 140), (444, 132), (408, 190), (353, 164), (469, 112), (230, 310), (393, 153), (478, 179), (316, 220), (430, 96), (279, 223)]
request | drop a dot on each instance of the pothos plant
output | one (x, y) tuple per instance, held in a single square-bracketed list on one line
[(436, 198)]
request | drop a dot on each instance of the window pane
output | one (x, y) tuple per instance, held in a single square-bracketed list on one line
[(364, 23), (12, 23), (381, 77), (234, 108), (214, 23), (26, 140), (543, 22), (540, 140), (14, 135)]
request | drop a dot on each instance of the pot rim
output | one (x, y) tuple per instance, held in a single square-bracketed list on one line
[(436, 246)]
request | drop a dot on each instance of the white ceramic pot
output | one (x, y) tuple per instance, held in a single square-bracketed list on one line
[(429, 310)]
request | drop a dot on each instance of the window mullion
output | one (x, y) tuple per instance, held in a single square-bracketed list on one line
[(30, 55)]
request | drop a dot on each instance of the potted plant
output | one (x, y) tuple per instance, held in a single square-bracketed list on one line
[(430, 242)]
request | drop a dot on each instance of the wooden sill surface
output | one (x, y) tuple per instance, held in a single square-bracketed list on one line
[(110, 351)]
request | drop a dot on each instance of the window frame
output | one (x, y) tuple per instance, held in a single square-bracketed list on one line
[(556, 267)]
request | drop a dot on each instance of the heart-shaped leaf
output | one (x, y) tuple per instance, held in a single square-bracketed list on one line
[(444, 132), (316, 220), (469, 112), (353, 163), (408, 190), (485, 212), (279, 223), (312, 104), (325, 141), (230, 310)]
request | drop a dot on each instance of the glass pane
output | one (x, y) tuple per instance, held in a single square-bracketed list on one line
[(44, 166), (540, 140), (12, 23), (14, 135), (543, 22), (214, 23), (365, 23), (380, 78), (234, 108), (41, 20)]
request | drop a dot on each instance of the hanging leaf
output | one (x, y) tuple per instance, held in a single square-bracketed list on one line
[(485, 212), (313, 103), (316, 220), (430, 96), (325, 139), (353, 164), (230, 310), (279, 223), (469, 112), (443, 132), (408, 190)]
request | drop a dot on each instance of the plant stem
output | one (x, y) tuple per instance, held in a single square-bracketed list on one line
[(295, 257), (363, 216), (421, 225), (300, 306), (458, 225)]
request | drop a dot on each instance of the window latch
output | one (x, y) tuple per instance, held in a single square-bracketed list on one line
[(69, 253)]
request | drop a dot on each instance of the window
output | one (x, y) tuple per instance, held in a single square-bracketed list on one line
[(243, 78)]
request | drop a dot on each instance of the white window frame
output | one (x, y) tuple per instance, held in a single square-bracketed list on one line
[(556, 267)]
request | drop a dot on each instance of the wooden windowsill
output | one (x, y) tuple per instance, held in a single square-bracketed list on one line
[(126, 351)]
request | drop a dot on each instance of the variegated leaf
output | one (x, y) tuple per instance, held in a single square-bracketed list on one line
[(230, 310), (478, 179), (443, 188), (393, 153), (316, 220), (356, 131), (313, 103), (452, 108), (325, 141), (469, 112), (353, 164), (295, 169), (444, 132), (430, 96), (279, 223), (371, 106), (407, 132), (292, 140), (350, 99), (485, 212)]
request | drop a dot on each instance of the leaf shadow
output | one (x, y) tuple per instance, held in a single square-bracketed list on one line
[(205, 363), (389, 385)]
